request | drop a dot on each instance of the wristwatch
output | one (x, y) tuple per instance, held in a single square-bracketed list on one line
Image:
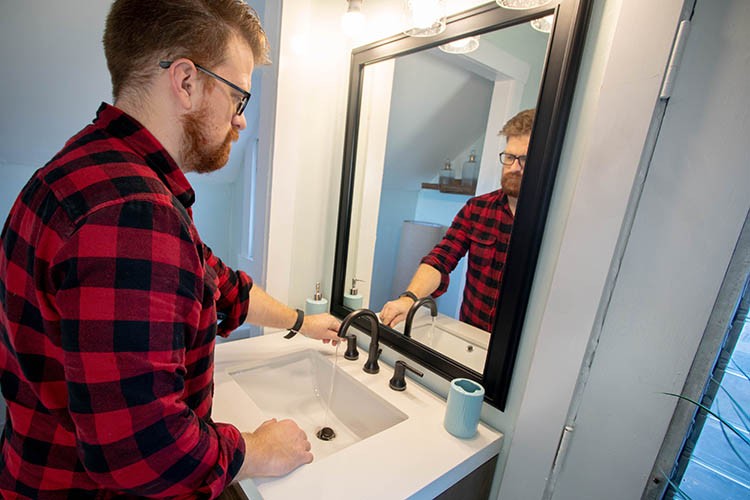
[(297, 324), (410, 295)]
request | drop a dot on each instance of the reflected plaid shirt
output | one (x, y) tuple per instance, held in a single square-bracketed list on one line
[(482, 228), (108, 307)]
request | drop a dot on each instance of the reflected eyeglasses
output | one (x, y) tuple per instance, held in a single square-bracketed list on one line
[(508, 159), (241, 104)]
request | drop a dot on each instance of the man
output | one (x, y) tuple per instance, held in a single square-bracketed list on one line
[(108, 297), (482, 228)]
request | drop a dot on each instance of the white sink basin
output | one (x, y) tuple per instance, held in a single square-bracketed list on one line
[(452, 344), (298, 386), (269, 376)]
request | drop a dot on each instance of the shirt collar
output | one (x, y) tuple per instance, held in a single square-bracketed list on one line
[(122, 126), (502, 201)]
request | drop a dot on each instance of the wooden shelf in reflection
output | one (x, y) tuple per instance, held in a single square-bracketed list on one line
[(455, 187)]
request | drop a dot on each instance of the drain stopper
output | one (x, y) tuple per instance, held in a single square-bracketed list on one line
[(326, 434)]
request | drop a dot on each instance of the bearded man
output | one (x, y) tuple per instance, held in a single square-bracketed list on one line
[(482, 228), (108, 297)]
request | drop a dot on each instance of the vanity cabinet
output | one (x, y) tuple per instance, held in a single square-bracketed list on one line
[(475, 486)]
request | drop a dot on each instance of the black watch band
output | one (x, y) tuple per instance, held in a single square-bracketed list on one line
[(410, 295), (297, 324)]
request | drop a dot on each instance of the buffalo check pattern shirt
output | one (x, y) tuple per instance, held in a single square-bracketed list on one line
[(108, 318), (482, 228)]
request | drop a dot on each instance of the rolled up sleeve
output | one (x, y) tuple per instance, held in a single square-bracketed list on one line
[(444, 257)]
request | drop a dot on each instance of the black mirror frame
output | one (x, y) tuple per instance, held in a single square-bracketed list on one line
[(555, 97)]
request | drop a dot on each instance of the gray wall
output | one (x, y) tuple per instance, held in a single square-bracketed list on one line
[(683, 235)]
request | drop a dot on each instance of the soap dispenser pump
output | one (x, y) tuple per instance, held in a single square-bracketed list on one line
[(317, 304), (353, 300)]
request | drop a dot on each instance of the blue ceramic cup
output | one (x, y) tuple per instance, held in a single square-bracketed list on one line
[(465, 399)]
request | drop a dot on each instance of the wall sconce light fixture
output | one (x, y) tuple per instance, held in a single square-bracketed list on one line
[(424, 17), (462, 46), (353, 20), (522, 4)]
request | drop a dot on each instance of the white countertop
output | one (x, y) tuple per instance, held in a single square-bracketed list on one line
[(415, 458)]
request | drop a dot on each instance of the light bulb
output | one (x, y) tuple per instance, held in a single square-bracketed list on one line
[(353, 21)]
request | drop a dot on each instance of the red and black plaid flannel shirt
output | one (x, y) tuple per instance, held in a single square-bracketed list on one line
[(482, 228), (108, 307)]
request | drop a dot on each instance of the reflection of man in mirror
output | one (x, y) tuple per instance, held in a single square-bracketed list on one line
[(482, 228)]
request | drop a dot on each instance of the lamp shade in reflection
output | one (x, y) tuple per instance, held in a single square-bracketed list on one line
[(462, 46), (522, 4)]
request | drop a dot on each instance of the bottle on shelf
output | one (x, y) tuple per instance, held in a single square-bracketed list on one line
[(470, 171), (446, 174)]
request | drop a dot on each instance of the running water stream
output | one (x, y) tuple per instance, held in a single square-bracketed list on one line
[(326, 433)]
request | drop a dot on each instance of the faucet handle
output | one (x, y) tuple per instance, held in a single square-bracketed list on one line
[(371, 365), (351, 348), (398, 381)]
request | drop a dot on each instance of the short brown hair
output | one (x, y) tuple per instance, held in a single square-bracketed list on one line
[(140, 33), (520, 124)]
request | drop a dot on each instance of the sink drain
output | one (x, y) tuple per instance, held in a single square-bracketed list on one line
[(326, 434)]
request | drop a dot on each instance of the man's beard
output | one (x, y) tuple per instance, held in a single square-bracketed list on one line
[(197, 156), (511, 183)]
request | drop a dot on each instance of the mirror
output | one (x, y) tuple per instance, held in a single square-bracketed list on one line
[(415, 108), (445, 109)]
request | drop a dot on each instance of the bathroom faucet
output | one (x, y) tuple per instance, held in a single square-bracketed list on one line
[(429, 302), (373, 353)]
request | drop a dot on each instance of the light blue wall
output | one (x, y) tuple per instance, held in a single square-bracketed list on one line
[(12, 180), (526, 44), (52, 88), (395, 206)]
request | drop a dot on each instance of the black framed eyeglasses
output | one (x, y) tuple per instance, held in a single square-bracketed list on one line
[(508, 159), (241, 104)]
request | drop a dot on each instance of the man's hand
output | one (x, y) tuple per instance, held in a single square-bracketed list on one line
[(321, 327), (394, 312), (274, 449)]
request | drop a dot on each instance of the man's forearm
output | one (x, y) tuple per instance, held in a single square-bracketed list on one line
[(425, 281), (264, 310)]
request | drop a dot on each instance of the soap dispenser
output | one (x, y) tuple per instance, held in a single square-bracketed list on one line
[(470, 171), (446, 175), (317, 304), (353, 300)]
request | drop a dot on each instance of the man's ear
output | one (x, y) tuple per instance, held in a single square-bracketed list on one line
[(183, 82)]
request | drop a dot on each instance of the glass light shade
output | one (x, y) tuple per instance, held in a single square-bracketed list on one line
[(522, 4), (424, 17), (462, 46), (543, 24)]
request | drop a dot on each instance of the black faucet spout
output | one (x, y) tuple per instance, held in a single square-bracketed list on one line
[(424, 301), (373, 353)]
